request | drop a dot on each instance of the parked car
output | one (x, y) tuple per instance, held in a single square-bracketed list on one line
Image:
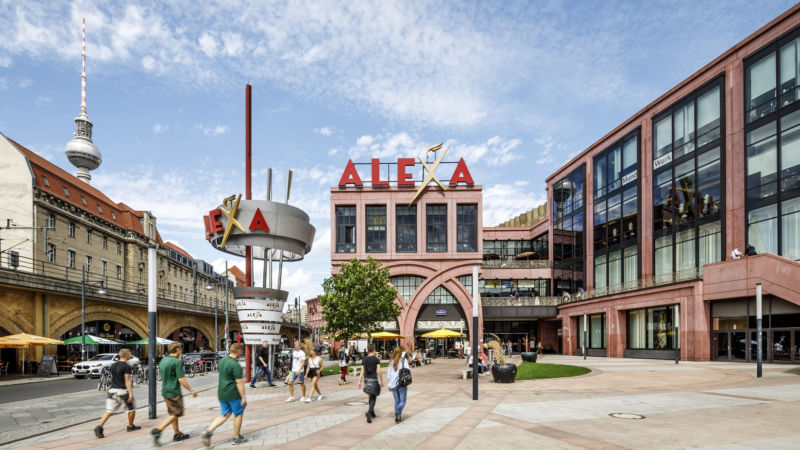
[(94, 366)]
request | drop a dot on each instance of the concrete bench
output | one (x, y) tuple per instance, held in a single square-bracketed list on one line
[(466, 373), (355, 371)]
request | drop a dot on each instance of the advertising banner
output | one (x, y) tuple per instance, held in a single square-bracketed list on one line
[(258, 339), (260, 315), (260, 292), (267, 305), (260, 328)]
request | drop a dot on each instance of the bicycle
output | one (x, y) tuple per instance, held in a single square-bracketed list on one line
[(138, 374), (189, 369), (105, 380)]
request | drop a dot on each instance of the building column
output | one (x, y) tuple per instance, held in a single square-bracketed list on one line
[(36, 351)]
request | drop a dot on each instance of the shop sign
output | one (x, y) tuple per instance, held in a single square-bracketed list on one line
[(664, 160), (250, 303), (441, 312), (630, 177), (460, 175), (108, 331)]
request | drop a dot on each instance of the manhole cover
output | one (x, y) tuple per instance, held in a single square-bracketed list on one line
[(626, 416), (356, 403)]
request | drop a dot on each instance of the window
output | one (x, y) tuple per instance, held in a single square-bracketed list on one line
[(688, 195), (440, 296), (376, 229), (345, 229), (71, 229), (169, 287), (66, 192), (596, 331), (760, 88), (71, 258), (105, 242), (119, 247), (119, 272), (508, 250), (88, 263), (113, 216), (141, 254), (406, 227), (141, 276), (466, 228), (51, 221), (568, 228), (99, 209), (51, 253), (83, 200), (104, 265), (406, 285), (653, 328), (88, 235), (44, 180), (436, 228), (762, 229)]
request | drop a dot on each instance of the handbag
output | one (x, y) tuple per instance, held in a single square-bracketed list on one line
[(372, 387), (404, 376)]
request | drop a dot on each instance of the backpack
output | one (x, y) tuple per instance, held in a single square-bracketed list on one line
[(403, 376)]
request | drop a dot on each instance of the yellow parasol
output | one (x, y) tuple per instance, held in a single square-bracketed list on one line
[(384, 335), (26, 340), (441, 334)]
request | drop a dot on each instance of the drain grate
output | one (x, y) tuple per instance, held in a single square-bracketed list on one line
[(626, 416), (356, 403)]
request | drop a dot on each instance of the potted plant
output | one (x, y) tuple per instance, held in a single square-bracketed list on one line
[(502, 372), (528, 355)]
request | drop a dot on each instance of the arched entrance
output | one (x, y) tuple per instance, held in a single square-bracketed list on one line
[(106, 329), (193, 340), (440, 310)]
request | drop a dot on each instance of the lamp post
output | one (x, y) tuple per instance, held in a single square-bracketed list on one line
[(100, 291), (227, 324), (758, 328), (476, 354), (216, 327)]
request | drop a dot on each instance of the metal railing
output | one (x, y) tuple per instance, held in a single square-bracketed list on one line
[(115, 288), (521, 301), (517, 264), (695, 273)]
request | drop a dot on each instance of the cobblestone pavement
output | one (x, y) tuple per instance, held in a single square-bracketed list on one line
[(689, 405)]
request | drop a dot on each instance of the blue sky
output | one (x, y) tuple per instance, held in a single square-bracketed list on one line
[(515, 88)]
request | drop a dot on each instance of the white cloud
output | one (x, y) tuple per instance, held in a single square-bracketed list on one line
[(520, 183), (208, 45), (325, 131), (215, 130), (494, 152), (160, 128), (41, 100), (387, 145), (333, 151), (501, 202), (3, 83), (25, 82), (149, 63)]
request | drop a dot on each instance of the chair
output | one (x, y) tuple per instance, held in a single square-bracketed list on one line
[(4, 368)]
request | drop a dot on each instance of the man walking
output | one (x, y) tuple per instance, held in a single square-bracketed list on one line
[(172, 378), (262, 365), (231, 396), (120, 396), (298, 372)]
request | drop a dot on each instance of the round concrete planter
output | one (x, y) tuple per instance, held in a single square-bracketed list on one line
[(504, 373), (529, 356)]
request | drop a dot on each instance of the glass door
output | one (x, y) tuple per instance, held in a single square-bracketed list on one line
[(721, 343), (781, 346), (754, 347), (738, 346)]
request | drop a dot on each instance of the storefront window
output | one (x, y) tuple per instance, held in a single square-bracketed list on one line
[(653, 328), (466, 231), (376, 229), (596, 331)]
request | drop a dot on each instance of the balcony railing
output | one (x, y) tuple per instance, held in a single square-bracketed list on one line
[(643, 283), (517, 264), (521, 301), (68, 279)]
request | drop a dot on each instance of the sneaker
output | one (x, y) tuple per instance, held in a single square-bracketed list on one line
[(238, 440), (206, 437), (181, 436), (98, 431), (340, 381), (290, 400), (273, 385), (319, 398), (307, 400), (156, 434), (134, 428)]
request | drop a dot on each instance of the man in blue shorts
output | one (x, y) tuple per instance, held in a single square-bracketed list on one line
[(298, 372), (231, 396)]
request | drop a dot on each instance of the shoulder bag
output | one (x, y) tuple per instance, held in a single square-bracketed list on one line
[(404, 375)]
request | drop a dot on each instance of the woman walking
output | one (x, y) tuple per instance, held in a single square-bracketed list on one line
[(396, 363), (372, 379), (313, 373)]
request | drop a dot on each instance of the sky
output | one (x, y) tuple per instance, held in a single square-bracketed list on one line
[(515, 88)]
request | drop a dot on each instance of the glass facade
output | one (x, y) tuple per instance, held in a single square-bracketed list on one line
[(406, 285), (436, 228), (772, 139), (440, 296), (467, 228), (510, 250), (406, 220), (616, 208), (688, 188), (539, 287), (653, 328), (596, 331), (376, 229), (345, 229), (568, 238)]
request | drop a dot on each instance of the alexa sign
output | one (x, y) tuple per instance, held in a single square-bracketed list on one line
[(404, 178)]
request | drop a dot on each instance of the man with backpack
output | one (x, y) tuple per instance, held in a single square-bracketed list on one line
[(344, 360)]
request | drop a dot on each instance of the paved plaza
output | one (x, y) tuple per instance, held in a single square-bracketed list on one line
[(691, 405)]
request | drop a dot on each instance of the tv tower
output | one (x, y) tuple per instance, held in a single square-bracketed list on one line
[(81, 151)]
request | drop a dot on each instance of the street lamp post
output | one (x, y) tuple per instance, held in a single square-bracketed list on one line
[(100, 291), (227, 324)]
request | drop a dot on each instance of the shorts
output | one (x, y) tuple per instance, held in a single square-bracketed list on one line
[(312, 373), (174, 406), (231, 406), (118, 399), (298, 376)]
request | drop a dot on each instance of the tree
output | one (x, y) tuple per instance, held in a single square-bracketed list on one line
[(358, 299)]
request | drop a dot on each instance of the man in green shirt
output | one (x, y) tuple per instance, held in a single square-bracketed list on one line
[(231, 396), (172, 378)]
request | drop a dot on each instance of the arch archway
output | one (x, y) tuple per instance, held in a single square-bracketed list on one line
[(96, 312), (167, 330)]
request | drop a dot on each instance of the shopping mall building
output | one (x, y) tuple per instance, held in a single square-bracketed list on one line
[(644, 220)]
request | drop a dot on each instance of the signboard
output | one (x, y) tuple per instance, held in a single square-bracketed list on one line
[(441, 312), (660, 162), (527, 283), (107, 331), (268, 305), (630, 177), (259, 292), (258, 339), (260, 315), (261, 328), (48, 366)]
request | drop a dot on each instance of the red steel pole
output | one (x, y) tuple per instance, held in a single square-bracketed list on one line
[(248, 160)]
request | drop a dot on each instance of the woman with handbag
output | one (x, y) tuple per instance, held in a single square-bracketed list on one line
[(372, 379), (399, 376)]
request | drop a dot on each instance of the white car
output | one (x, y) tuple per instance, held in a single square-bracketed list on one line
[(95, 365)]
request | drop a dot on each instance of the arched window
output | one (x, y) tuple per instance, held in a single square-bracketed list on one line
[(440, 296), (406, 285)]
